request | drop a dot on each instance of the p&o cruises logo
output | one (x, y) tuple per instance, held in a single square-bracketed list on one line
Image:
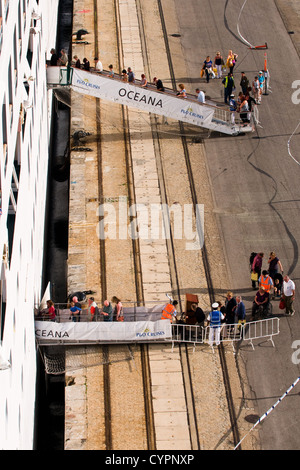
[(86, 83), (189, 112), (147, 332)]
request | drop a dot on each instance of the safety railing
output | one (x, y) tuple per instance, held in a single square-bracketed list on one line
[(155, 330), (151, 311)]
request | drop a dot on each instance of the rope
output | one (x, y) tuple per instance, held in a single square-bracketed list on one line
[(269, 411), (238, 28), (288, 144)]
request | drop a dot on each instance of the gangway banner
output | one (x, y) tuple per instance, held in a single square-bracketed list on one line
[(69, 332), (144, 99)]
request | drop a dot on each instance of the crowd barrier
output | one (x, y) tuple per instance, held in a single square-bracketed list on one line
[(248, 332)]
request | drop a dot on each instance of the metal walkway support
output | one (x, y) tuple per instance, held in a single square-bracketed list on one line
[(148, 99)]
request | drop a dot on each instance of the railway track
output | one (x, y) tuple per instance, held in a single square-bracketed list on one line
[(134, 364)]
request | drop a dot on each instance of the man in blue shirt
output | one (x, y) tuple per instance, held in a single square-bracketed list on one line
[(131, 78), (240, 311)]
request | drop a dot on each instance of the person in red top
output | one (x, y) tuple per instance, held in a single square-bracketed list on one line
[(256, 267), (92, 309), (49, 312)]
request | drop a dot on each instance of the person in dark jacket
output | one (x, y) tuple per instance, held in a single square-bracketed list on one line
[(159, 84), (230, 310), (244, 83), (228, 83)]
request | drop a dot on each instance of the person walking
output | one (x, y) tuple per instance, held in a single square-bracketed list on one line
[(215, 318), (182, 91), (200, 95), (92, 308), (77, 63), (256, 267), (159, 84), (274, 265), (86, 64), (54, 57), (240, 311), (169, 311), (207, 67), (98, 65), (75, 312), (131, 77), (244, 83), (261, 80), (218, 64), (230, 62), (118, 311), (232, 108), (255, 89), (288, 295), (230, 311), (266, 281), (228, 83), (144, 81), (111, 72), (107, 311), (63, 60), (244, 109)]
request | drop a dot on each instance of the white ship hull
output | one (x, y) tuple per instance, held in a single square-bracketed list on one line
[(25, 43)]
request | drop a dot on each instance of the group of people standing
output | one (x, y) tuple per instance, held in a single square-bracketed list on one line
[(251, 93), (270, 280), (108, 312), (232, 312)]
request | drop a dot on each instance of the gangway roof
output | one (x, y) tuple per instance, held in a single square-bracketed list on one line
[(167, 103)]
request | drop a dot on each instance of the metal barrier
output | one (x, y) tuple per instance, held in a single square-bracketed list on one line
[(261, 329), (232, 333)]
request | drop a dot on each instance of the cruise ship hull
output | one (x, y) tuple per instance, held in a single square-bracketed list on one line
[(28, 32)]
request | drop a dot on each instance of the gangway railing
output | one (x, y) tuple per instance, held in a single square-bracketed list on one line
[(149, 331), (210, 115)]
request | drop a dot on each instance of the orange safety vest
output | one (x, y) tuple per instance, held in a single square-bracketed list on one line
[(264, 282), (167, 312)]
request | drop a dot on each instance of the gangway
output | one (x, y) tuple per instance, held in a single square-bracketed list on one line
[(100, 85)]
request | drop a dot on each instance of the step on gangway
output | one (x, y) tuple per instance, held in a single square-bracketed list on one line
[(210, 115)]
